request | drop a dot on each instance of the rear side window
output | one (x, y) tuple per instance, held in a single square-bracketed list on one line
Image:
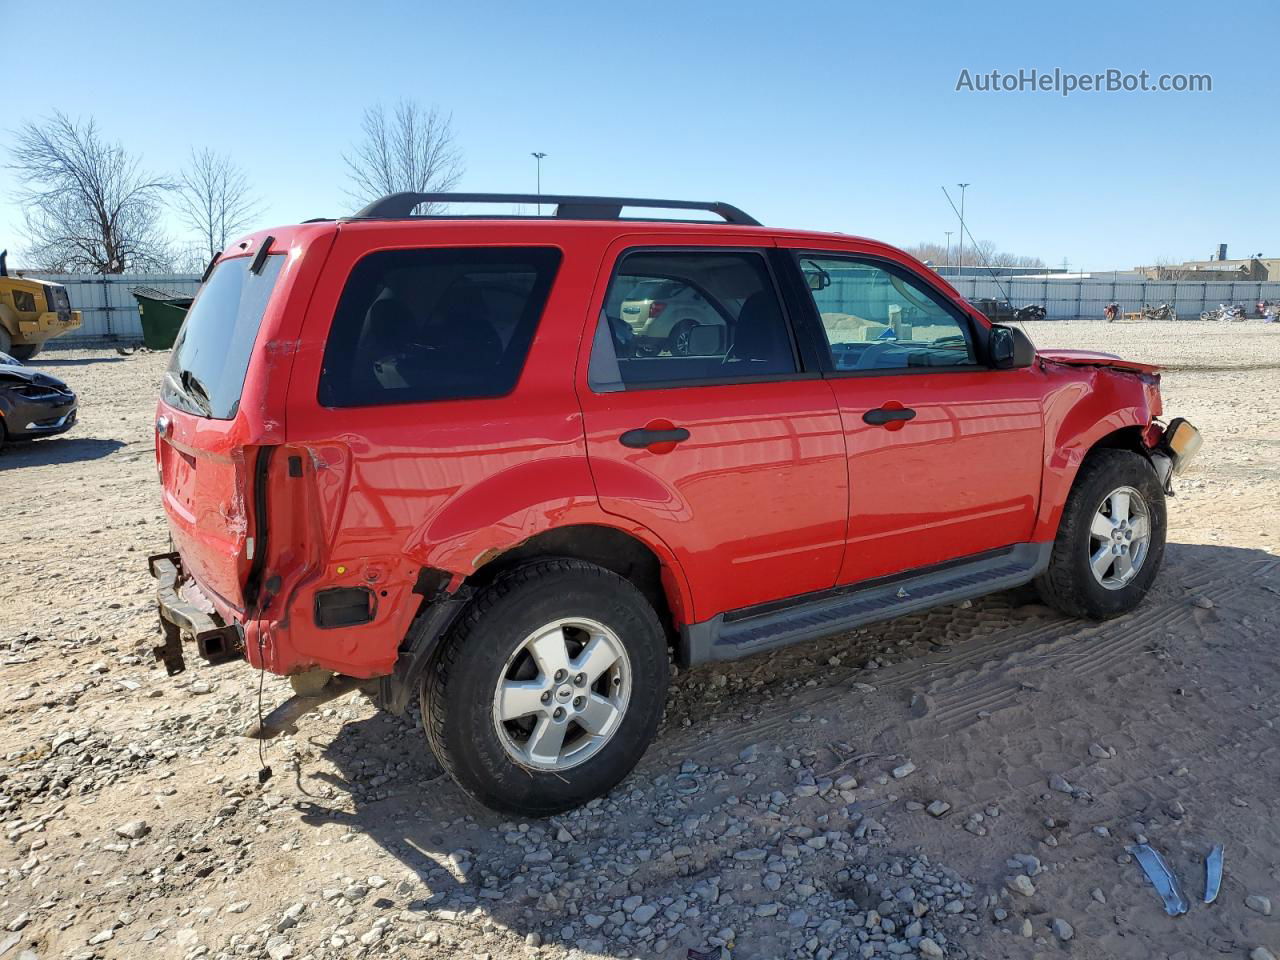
[(414, 326), (687, 317), (211, 355)]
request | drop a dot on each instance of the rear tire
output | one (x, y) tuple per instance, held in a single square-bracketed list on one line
[(1111, 538), (6, 342), (505, 723)]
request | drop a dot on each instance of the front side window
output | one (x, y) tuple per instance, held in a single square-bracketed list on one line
[(675, 317), (414, 326), (876, 319)]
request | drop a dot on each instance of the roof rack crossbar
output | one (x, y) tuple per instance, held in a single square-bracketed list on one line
[(402, 205)]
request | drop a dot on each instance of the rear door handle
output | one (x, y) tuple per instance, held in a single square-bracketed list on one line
[(644, 437), (886, 415)]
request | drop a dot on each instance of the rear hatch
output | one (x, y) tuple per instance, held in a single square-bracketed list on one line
[(203, 443)]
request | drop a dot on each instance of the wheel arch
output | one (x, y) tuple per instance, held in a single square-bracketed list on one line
[(621, 551), (1136, 437), (445, 597)]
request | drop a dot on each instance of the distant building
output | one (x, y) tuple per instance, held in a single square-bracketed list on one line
[(1251, 269)]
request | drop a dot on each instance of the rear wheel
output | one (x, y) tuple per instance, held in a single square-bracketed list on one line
[(1111, 538), (6, 341), (549, 689)]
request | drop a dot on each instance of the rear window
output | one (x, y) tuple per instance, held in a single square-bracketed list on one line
[(413, 326), (211, 355)]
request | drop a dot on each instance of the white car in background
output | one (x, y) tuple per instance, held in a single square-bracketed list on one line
[(662, 315)]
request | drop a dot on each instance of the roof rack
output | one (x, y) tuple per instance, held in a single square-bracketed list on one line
[(402, 205)]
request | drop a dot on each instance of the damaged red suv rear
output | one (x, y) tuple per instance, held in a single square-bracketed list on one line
[(428, 451)]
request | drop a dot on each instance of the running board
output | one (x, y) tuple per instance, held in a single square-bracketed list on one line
[(740, 633)]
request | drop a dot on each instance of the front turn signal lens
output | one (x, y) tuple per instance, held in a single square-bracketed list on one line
[(1183, 441)]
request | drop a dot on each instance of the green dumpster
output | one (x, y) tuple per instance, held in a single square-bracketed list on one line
[(162, 313)]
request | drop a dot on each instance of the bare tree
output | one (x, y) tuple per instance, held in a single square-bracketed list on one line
[(984, 252), (214, 199), (87, 203), (411, 150)]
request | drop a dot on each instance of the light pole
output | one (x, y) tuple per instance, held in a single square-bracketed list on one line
[(947, 261), (537, 156), (960, 256)]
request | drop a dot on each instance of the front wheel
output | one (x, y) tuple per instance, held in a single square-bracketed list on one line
[(1111, 538), (24, 351), (549, 689), (680, 341)]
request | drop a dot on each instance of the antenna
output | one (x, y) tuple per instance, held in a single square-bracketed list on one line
[(985, 262)]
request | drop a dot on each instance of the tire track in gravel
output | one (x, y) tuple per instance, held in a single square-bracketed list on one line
[(1083, 652)]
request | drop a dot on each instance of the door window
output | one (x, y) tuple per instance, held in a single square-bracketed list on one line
[(689, 317), (413, 326), (877, 319)]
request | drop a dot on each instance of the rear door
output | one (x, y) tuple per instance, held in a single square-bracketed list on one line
[(945, 453), (728, 448)]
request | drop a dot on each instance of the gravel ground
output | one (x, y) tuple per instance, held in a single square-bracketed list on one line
[(961, 784)]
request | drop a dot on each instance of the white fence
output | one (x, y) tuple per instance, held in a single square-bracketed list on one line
[(1074, 298), (110, 313), (108, 310)]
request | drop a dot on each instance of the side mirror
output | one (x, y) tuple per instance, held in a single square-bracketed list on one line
[(815, 276), (1010, 348)]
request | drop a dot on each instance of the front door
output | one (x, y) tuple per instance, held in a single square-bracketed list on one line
[(945, 453), (720, 444)]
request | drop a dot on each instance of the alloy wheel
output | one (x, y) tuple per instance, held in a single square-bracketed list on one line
[(562, 694), (1119, 538)]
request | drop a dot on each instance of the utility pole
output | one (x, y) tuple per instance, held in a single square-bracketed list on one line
[(947, 261), (962, 187), (537, 157)]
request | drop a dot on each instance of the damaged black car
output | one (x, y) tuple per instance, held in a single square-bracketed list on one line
[(32, 404)]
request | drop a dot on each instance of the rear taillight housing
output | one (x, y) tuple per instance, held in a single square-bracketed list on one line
[(655, 308)]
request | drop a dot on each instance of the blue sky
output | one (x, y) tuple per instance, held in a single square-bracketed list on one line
[(832, 116)]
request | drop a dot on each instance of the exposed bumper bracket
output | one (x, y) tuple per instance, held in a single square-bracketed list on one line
[(217, 642)]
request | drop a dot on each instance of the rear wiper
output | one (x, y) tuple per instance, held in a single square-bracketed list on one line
[(194, 389)]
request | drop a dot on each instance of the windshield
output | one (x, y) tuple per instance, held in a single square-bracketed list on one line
[(211, 354)]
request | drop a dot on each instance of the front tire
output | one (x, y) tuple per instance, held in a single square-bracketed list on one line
[(548, 690), (1111, 538), (680, 340), (24, 351)]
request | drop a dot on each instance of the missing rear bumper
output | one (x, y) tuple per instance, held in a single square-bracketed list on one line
[(216, 641)]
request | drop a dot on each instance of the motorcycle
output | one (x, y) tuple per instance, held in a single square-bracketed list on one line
[(1162, 312), (1111, 312), (1231, 312), (1032, 311)]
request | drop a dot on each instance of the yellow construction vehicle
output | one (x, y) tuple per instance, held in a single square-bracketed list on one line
[(31, 312)]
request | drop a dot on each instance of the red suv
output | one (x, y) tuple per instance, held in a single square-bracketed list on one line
[(428, 449)]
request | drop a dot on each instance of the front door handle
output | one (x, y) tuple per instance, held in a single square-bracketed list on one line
[(883, 416), (645, 437)]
